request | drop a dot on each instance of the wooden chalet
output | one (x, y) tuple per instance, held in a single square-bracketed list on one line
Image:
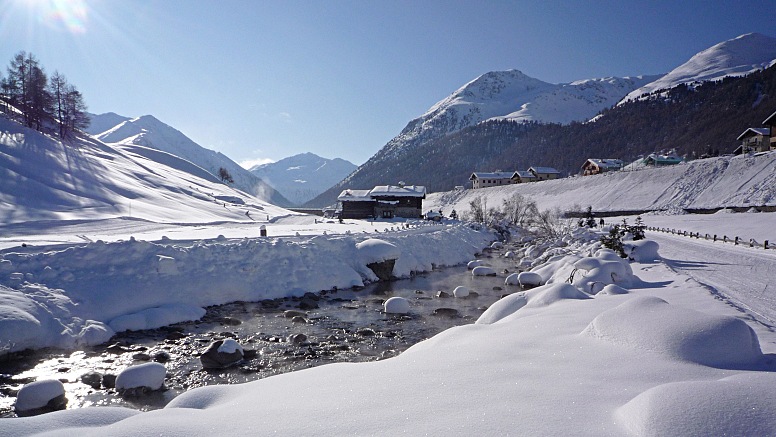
[(356, 204), (544, 173), (523, 176), (770, 124), (597, 166), (754, 140), (662, 159), (383, 201)]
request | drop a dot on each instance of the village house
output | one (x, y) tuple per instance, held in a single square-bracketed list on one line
[(597, 166), (754, 140), (382, 201), (662, 159), (544, 173), (523, 176), (492, 179), (770, 124)]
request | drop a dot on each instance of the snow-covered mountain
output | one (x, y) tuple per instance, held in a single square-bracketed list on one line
[(99, 123), (736, 57), (515, 96), (300, 178), (149, 132), (44, 179)]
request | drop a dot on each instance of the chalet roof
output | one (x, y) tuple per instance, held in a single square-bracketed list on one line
[(607, 163), (354, 196), (524, 174), (669, 158), (544, 170), (396, 191), (491, 175), (770, 120), (764, 131)]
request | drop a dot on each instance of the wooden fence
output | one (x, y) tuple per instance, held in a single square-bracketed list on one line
[(735, 240)]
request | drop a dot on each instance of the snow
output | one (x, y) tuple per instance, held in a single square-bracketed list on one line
[(230, 346), (396, 305), (37, 394), (148, 375), (461, 291), (736, 57), (677, 342)]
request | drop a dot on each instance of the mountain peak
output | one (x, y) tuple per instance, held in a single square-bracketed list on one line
[(735, 57)]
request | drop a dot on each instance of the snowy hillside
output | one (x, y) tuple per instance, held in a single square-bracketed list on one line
[(725, 182), (99, 123), (45, 180), (300, 178), (735, 57), (150, 132), (515, 96)]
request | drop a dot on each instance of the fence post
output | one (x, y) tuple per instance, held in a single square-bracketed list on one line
[(736, 241), (751, 242), (715, 237), (765, 245), (724, 238)]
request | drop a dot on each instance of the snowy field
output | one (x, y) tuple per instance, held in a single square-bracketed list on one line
[(659, 354)]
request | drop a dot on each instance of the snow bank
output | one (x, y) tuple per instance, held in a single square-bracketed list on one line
[(652, 324), (717, 407), (84, 294)]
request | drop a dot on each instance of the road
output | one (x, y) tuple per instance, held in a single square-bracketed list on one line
[(742, 275)]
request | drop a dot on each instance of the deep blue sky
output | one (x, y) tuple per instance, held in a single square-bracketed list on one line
[(266, 80)]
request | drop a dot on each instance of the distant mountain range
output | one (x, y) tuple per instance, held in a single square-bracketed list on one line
[(497, 99), (302, 177), (149, 132)]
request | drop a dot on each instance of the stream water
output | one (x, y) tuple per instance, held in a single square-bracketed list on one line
[(278, 336)]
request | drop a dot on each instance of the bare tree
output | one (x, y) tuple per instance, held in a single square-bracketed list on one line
[(224, 175)]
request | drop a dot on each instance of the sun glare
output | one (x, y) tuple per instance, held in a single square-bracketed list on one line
[(68, 15)]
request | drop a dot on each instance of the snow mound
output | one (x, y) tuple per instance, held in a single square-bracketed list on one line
[(643, 251), (502, 308), (598, 272), (651, 323), (37, 394), (156, 317), (483, 271), (718, 407), (396, 305), (230, 346), (474, 263), (512, 279), (612, 289), (149, 375), (375, 250), (461, 291), (529, 279), (549, 294)]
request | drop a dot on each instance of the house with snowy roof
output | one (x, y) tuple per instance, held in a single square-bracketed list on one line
[(770, 124), (491, 179), (544, 173), (382, 201), (523, 176), (758, 139), (597, 166), (753, 140), (662, 159)]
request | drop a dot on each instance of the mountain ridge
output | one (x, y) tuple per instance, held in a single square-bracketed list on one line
[(447, 117), (301, 177)]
